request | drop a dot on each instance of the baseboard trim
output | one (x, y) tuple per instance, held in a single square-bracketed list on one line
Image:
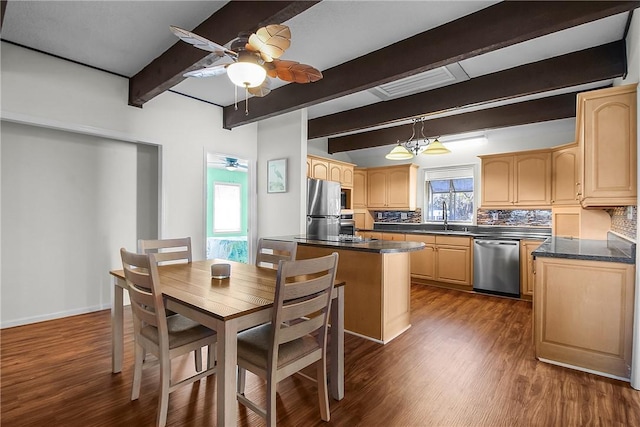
[(579, 368), (52, 316)]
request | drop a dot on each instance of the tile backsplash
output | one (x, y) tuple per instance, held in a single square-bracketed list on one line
[(515, 217), (621, 223), (409, 217)]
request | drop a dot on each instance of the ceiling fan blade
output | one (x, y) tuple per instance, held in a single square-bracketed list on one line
[(271, 41), (263, 90), (292, 71), (201, 42), (208, 72)]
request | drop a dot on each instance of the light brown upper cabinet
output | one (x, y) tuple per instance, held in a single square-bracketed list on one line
[(332, 170), (606, 130), (359, 189), (566, 170), (514, 180), (392, 187), (319, 168)]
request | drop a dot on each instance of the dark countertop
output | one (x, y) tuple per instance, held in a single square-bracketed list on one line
[(377, 246), (615, 249), (490, 232)]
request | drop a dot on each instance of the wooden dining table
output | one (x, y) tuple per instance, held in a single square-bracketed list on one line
[(243, 300)]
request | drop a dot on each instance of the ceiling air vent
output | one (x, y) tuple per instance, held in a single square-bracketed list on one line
[(438, 77)]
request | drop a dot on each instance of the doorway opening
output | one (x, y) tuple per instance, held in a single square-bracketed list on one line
[(227, 202)]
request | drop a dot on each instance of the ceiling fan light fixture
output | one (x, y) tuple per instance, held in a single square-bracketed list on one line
[(247, 72), (399, 153), (436, 147)]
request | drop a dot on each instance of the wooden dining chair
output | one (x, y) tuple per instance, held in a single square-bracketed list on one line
[(277, 350), (171, 251), (270, 252), (154, 332)]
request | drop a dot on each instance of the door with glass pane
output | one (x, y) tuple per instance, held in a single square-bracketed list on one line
[(227, 208)]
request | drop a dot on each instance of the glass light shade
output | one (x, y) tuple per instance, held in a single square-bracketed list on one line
[(246, 74), (399, 153), (436, 147)]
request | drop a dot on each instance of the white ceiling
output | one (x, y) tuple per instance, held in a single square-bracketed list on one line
[(123, 36)]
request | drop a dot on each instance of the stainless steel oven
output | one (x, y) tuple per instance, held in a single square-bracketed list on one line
[(347, 225)]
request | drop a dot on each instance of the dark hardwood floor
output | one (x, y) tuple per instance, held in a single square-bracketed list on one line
[(468, 360)]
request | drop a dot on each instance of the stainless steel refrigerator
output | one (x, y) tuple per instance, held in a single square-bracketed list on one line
[(323, 209)]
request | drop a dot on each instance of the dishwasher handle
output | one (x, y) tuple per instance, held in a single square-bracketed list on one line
[(496, 242)]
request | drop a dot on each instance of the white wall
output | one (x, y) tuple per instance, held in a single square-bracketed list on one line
[(59, 225), (285, 136), (42, 91)]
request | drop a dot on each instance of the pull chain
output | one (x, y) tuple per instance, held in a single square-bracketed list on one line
[(246, 100), (236, 97)]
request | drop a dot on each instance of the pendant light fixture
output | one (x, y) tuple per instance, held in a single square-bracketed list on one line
[(416, 144)]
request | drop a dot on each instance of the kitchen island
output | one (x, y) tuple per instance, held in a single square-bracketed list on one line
[(378, 278)]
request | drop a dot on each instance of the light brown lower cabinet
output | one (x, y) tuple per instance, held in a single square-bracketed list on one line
[(446, 259), (393, 236), (527, 267), (583, 314)]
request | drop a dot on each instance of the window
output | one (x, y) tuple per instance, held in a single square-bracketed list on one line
[(226, 207), (452, 188)]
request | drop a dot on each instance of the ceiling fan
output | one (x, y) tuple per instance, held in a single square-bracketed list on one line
[(230, 164), (255, 56)]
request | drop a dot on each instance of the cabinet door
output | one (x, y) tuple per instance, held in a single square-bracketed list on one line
[(347, 176), (393, 236), (377, 189), (423, 263), (609, 147), (583, 313), (398, 191), (319, 169), (453, 264), (335, 172), (532, 182), (565, 185), (565, 221), (359, 218), (497, 181), (309, 173), (359, 189), (526, 266)]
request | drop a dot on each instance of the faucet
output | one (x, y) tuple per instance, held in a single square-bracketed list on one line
[(444, 215)]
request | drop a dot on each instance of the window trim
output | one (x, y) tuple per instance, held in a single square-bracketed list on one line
[(450, 173)]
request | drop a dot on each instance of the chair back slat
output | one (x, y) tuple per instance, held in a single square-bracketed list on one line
[(305, 287), (304, 308), (271, 252), (167, 250), (299, 329)]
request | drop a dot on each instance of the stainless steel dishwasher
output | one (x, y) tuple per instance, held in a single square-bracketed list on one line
[(496, 266)]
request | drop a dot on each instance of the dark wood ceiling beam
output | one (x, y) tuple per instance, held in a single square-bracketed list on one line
[(586, 66), (489, 29), (223, 26), (538, 110), (3, 9)]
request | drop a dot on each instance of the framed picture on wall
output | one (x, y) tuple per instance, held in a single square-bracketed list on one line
[(277, 176)]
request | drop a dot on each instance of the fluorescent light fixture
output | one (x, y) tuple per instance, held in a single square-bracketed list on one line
[(463, 143)]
